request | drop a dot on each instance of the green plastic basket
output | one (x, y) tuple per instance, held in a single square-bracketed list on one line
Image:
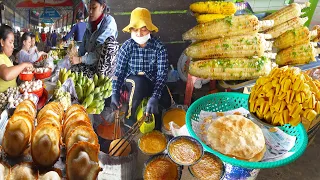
[(226, 101)]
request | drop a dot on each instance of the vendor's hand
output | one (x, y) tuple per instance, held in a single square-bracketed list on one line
[(75, 60), (115, 102), (152, 106), (27, 65)]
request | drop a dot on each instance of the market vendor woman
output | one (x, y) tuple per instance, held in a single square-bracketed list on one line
[(142, 66), (101, 29), (8, 72)]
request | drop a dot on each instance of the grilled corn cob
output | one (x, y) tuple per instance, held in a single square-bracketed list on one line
[(230, 69), (229, 26), (293, 37), (237, 46), (285, 14), (213, 7), (203, 18), (300, 54), (296, 22)]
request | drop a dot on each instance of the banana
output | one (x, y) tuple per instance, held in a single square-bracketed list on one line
[(88, 100), (95, 104), (107, 94), (95, 79), (64, 78), (91, 110), (81, 75), (68, 72), (90, 89), (59, 84), (97, 90), (79, 92), (76, 75), (101, 79)]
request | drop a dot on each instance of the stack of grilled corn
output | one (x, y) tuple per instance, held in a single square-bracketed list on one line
[(285, 19), (292, 39), (211, 10), (228, 48)]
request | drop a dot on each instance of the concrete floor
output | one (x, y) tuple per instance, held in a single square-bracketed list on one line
[(305, 168)]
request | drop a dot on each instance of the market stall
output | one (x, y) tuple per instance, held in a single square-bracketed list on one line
[(56, 125)]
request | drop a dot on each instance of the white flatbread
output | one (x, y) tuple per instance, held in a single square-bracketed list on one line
[(236, 136)]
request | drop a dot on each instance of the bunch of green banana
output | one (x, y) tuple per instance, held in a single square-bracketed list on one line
[(64, 75), (92, 92)]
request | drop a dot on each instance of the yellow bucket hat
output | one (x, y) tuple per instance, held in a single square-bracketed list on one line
[(140, 17)]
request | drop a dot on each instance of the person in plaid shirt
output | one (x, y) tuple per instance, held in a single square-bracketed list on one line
[(142, 66)]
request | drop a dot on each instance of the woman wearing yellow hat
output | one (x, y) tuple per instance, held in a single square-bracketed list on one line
[(142, 66)]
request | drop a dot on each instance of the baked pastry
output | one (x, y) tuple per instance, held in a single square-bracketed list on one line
[(236, 136), (24, 171), (28, 107), (81, 133), (71, 109), (52, 174), (53, 109), (82, 161), (4, 171), (75, 116), (45, 144), (74, 125), (16, 137)]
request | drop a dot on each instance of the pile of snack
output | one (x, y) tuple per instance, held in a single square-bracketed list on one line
[(91, 92), (81, 143), (19, 129), (73, 127), (228, 48), (285, 96)]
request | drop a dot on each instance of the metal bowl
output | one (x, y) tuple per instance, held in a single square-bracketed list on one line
[(193, 140), (152, 154), (216, 157), (179, 168)]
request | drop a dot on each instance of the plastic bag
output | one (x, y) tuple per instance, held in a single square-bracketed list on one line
[(64, 63), (173, 75)]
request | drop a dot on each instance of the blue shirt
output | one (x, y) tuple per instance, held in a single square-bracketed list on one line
[(132, 59), (77, 30), (92, 42)]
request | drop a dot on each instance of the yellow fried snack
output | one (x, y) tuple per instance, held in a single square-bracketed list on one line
[(285, 96)]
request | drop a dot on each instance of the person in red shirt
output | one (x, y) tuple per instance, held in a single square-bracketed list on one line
[(43, 36)]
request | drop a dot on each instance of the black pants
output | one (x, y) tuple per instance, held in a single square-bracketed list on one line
[(140, 87)]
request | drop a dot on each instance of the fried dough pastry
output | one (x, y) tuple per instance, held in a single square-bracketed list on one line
[(45, 145), (71, 109), (81, 133), (28, 107), (75, 116), (53, 174), (16, 137), (74, 125), (52, 108), (82, 161), (50, 119), (4, 171), (23, 171)]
